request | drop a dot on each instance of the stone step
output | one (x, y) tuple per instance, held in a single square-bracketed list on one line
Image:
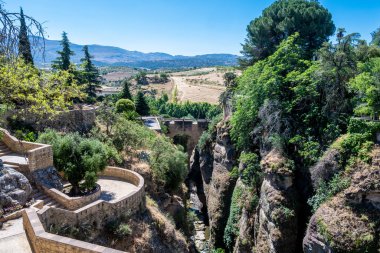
[(48, 201), (5, 152), (12, 166)]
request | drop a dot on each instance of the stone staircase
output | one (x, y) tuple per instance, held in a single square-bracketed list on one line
[(4, 150), (38, 195)]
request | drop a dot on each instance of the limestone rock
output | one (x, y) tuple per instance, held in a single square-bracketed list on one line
[(349, 221), (244, 241), (15, 188), (48, 177), (326, 168), (276, 219), (221, 185)]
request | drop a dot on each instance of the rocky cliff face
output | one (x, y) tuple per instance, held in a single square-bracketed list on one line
[(276, 219), (215, 162), (349, 222), (221, 185)]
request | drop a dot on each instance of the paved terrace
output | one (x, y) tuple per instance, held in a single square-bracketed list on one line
[(113, 188), (13, 238)]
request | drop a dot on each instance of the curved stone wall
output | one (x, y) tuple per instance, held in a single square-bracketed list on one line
[(97, 213), (100, 212), (71, 203)]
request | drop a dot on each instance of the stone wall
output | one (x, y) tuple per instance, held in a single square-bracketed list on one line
[(77, 120), (100, 212), (192, 129), (39, 156), (71, 203), (44, 242)]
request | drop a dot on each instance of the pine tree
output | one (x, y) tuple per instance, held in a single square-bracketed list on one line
[(90, 74), (125, 93), (63, 60), (24, 45), (142, 106)]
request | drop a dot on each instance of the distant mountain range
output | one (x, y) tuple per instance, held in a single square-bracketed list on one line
[(115, 56)]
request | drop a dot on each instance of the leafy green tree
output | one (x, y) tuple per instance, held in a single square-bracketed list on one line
[(125, 92), (338, 64), (367, 88), (79, 158), (27, 90), (229, 79), (142, 106), (283, 18), (265, 92), (376, 37), (169, 164), (125, 105), (63, 60), (24, 49), (106, 114), (89, 74)]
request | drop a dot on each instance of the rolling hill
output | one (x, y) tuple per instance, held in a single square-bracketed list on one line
[(115, 56)]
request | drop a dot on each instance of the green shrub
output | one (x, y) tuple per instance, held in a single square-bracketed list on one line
[(79, 158), (218, 250), (123, 230), (168, 161), (169, 164), (232, 229), (355, 146), (125, 105), (327, 190), (251, 174), (26, 135), (207, 135)]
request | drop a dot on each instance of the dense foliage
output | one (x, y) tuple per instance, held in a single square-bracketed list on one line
[(188, 109), (79, 158), (29, 90), (168, 162), (283, 18)]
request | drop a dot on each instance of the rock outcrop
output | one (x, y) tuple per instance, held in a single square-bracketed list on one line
[(349, 222), (221, 184), (276, 220), (326, 168), (48, 177), (15, 188), (244, 241), (215, 161)]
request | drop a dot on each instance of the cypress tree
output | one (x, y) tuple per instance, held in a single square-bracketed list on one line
[(23, 41), (63, 60), (125, 93), (90, 74), (142, 106)]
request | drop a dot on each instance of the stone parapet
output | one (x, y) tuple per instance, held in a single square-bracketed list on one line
[(100, 212), (44, 242), (71, 203), (39, 156)]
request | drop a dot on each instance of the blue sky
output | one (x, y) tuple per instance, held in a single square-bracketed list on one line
[(186, 27)]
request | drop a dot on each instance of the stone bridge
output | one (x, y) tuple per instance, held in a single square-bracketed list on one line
[(185, 132)]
